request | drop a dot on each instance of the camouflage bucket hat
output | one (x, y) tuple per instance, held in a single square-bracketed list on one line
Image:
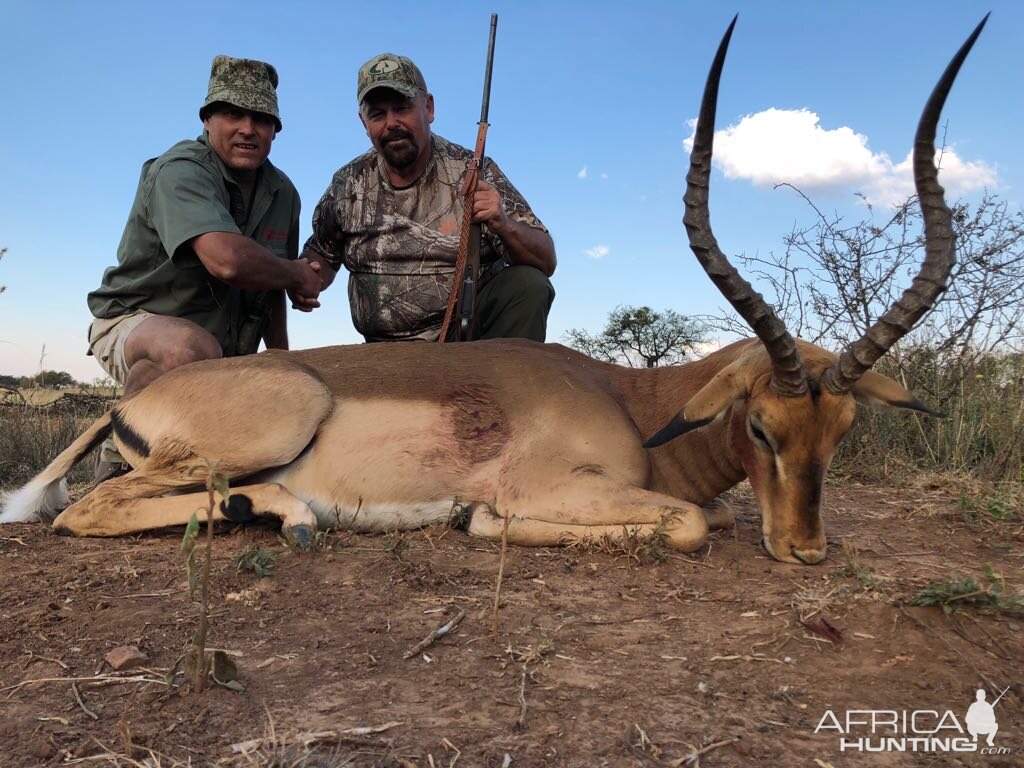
[(387, 70), (244, 83)]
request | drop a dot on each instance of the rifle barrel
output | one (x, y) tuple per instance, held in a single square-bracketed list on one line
[(487, 73), (463, 279)]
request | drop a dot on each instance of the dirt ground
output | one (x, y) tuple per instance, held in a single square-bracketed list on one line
[(601, 658)]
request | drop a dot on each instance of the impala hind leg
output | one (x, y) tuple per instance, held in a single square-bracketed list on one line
[(241, 414)]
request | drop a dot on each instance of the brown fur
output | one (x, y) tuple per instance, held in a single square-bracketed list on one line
[(395, 436)]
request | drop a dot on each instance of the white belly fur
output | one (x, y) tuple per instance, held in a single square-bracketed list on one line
[(383, 517)]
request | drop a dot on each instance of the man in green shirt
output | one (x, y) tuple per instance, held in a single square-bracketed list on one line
[(210, 247), (392, 215)]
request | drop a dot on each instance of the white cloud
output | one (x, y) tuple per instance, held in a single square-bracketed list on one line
[(604, 176), (777, 145), (583, 173), (957, 175), (598, 251)]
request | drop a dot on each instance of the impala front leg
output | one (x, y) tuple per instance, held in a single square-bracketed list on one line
[(593, 509), (115, 509)]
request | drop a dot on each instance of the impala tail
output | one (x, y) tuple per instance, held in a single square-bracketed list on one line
[(46, 494)]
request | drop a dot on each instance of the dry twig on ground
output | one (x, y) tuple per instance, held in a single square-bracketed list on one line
[(436, 635)]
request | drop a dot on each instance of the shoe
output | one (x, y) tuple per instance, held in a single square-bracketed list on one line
[(107, 470)]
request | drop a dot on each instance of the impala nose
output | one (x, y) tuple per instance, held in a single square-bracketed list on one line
[(789, 553), (809, 555)]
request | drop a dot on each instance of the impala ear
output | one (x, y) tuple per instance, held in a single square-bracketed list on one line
[(877, 390), (727, 386)]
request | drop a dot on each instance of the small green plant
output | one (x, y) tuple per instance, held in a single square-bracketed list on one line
[(654, 546), (638, 546), (256, 559), (962, 591), (188, 549), (1001, 505), (999, 508), (854, 568), (199, 663)]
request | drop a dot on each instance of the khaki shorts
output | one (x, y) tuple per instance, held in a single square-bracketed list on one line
[(107, 338)]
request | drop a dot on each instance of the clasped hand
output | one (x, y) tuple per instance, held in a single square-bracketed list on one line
[(304, 295)]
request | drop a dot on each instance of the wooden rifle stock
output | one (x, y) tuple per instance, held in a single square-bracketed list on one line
[(467, 260)]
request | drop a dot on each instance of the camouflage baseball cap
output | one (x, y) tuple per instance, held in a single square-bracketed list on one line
[(244, 83), (387, 70)]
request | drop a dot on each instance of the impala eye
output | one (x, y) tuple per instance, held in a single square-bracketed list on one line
[(757, 433)]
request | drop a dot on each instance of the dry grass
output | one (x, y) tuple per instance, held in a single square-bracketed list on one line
[(634, 544), (31, 437), (981, 434), (272, 753)]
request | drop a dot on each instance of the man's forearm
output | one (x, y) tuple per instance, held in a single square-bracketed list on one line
[(527, 245), (243, 263), (523, 244)]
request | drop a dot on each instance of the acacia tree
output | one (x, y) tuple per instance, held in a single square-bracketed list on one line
[(640, 337), (834, 279)]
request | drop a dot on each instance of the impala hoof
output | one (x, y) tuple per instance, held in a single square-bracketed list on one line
[(300, 536)]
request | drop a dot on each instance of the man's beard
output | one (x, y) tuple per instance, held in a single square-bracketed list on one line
[(402, 155)]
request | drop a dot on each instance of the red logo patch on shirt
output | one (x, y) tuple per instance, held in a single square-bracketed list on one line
[(271, 235)]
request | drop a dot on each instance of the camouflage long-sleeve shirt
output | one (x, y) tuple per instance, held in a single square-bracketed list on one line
[(400, 245)]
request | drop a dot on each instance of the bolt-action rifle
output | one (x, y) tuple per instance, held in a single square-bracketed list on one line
[(467, 260)]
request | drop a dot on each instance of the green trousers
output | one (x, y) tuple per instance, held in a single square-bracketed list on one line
[(514, 305)]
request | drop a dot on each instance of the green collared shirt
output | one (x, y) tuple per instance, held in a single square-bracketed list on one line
[(184, 193)]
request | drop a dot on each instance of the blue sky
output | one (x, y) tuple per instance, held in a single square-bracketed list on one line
[(591, 107)]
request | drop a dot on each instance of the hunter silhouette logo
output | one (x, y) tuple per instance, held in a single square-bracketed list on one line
[(981, 717), (384, 67)]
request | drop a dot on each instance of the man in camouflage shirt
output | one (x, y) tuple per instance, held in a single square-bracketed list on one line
[(392, 217), (210, 247)]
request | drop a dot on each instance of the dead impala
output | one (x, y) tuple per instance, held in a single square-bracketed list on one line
[(393, 436)]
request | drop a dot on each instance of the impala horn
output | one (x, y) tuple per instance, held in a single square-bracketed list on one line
[(939, 245), (788, 377)]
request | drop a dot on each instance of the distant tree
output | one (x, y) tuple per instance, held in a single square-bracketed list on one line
[(640, 338), (53, 379), (10, 382), (2, 252)]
